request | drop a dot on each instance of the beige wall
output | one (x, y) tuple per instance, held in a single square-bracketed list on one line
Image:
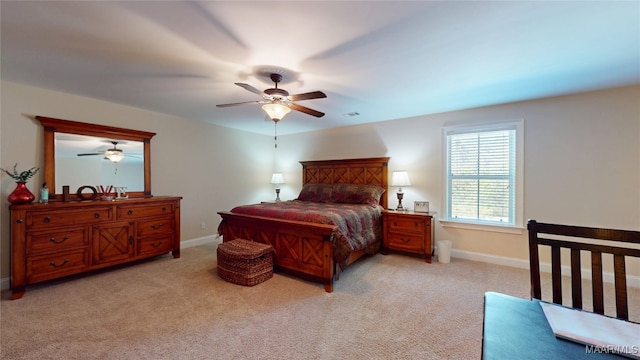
[(211, 167), (582, 159)]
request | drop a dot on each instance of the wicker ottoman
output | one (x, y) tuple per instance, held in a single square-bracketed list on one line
[(245, 262)]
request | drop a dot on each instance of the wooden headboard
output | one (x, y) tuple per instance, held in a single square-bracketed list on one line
[(367, 171)]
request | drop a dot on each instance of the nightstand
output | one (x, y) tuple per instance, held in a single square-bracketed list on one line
[(409, 232)]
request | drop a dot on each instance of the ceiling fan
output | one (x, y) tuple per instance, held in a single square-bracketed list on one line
[(277, 102), (114, 154)]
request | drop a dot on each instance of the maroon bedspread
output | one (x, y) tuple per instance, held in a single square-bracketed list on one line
[(359, 226)]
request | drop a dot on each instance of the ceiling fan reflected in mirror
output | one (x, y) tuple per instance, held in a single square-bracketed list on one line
[(277, 102), (114, 155)]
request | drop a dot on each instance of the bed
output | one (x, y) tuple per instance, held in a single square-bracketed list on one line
[(306, 249)]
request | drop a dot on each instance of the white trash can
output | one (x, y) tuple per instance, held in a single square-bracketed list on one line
[(444, 251)]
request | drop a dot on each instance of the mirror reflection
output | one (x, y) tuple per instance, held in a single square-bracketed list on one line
[(89, 160)]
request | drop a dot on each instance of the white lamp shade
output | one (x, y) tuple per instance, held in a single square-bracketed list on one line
[(400, 179), (277, 178), (276, 111)]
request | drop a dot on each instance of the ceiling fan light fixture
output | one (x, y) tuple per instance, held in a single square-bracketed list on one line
[(114, 156), (276, 111)]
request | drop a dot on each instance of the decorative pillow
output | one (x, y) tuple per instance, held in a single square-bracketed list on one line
[(356, 194), (316, 192)]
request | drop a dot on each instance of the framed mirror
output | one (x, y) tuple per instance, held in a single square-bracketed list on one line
[(78, 154)]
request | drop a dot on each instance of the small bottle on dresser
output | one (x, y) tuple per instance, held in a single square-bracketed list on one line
[(44, 194)]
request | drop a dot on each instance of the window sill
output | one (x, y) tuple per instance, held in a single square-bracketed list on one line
[(482, 227)]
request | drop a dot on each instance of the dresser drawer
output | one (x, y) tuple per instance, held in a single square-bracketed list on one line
[(127, 212), (160, 225), (406, 242), (49, 219), (46, 267), (57, 240), (401, 224), (155, 245)]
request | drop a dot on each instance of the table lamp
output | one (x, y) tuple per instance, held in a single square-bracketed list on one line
[(277, 179), (400, 179)]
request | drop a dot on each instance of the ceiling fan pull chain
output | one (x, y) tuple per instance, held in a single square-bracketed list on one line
[(275, 138)]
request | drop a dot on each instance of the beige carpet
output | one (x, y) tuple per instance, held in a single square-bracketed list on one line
[(383, 307)]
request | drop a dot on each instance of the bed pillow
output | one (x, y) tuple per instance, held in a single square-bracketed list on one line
[(316, 192), (356, 194)]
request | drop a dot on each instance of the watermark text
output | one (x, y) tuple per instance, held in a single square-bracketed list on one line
[(613, 349)]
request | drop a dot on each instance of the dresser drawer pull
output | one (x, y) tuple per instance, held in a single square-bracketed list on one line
[(19, 221), (156, 245), (130, 212), (53, 240), (55, 265), (407, 240), (96, 215), (154, 226), (46, 219), (164, 209), (395, 223)]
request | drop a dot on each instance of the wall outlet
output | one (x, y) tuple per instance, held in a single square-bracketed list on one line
[(203, 225)]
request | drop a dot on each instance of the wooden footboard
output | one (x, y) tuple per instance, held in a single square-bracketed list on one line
[(302, 249)]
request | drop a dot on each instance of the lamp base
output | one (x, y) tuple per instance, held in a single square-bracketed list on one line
[(400, 207), (277, 194)]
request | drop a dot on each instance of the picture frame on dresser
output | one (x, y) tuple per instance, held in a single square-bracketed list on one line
[(421, 206)]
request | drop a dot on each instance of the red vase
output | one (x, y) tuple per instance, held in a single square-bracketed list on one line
[(21, 195)]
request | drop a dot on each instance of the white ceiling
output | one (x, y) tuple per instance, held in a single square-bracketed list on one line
[(382, 59)]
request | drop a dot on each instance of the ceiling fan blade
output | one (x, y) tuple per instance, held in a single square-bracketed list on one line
[(239, 103), (92, 154), (306, 110), (250, 88), (307, 96)]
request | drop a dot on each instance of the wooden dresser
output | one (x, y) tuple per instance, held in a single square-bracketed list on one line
[(49, 241), (408, 231)]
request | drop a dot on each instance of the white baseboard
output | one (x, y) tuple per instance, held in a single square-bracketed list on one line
[(490, 259), (632, 281), (200, 241)]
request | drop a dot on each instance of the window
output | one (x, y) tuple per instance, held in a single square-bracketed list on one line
[(483, 177)]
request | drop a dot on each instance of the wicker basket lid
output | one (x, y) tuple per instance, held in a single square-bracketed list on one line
[(244, 249)]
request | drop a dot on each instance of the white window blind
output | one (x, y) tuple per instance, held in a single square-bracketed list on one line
[(481, 174)]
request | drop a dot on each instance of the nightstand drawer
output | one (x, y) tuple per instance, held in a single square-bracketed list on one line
[(402, 224), (406, 242), (409, 232)]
